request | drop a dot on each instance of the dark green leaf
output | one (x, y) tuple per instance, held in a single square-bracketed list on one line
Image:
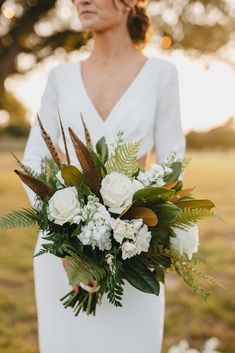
[(176, 170), (152, 195), (140, 277), (102, 149)]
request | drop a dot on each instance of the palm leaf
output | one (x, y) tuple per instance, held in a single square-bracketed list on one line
[(189, 216), (27, 217), (92, 176), (38, 186), (64, 140), (124, 159), (49, 143), (82, 270)]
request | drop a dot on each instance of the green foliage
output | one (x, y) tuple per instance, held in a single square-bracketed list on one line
[(112, 285), (27, 217), (176, 170), (140, 277), (102, 150), (151, 195), (124, 159), (188, 217), (83, 270), (166, 212)]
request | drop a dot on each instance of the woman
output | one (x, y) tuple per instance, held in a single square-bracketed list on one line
[(116, 88)]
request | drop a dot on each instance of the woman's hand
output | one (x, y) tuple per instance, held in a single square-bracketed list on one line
[(75, 288)]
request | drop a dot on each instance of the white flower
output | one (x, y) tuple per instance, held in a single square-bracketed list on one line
[(64, 206), (186, 241), (97, 231), (143, 238), (117, 191), (137, 234), (122, 229), (128, 250), (155, 175)]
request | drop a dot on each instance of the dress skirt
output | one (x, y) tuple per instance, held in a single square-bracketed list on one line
[(137, 327)]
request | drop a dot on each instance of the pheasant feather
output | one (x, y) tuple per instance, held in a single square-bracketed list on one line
[(40, 188), (87, 134), (64, 140), (49, 143), (92, 176)]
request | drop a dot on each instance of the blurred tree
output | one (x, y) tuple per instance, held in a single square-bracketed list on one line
[(32, 30)]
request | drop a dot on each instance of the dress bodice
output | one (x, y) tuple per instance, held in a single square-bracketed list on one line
[(148, 110)]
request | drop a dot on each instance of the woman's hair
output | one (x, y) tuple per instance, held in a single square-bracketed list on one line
[(139, 23)]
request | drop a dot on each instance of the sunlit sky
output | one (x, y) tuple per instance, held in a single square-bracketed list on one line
[(207, 95)]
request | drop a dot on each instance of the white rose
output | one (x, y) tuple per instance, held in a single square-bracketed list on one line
[(128, 250), (64, 206), (186, 241), (117, 191)]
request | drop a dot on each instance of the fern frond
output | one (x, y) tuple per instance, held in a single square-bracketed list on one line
[(27, 217), (82, 270), (189, 216), (124, 159)]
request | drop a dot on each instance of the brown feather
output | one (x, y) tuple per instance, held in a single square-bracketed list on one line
[(64, 140), (49, 143), (21, 165), (92, 176), (40, 188), (87, 134)]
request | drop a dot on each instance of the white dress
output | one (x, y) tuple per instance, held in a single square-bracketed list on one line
[(148, 109)]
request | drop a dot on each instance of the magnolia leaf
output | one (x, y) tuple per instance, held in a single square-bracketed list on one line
[(72, 175), (141, 277), (148, 216), (150, 195), (180, 194), (204, 203), (166, 212), (170, 185)]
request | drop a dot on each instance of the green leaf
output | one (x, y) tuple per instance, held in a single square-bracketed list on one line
[(189, 216), (208, 204), (72, 175), (166, 212), (176, 170), (152, 195), (99, 164), (27, 217), (102, 149), (124, 159), (160, 274), (84, 270), (140, 277)]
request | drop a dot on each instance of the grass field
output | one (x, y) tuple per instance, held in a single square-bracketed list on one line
[(187, 316)]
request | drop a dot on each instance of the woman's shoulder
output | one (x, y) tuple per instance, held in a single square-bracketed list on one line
[(65, 68), (166, 71)]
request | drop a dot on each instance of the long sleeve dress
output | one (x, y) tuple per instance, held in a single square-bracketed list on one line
[(149, 109)]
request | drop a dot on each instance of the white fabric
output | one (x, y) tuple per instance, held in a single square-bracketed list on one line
[(149, 109)]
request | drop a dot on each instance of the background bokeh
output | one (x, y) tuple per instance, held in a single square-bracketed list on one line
[(199, 37)]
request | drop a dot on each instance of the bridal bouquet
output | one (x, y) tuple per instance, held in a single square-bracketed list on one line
[(112, 222)]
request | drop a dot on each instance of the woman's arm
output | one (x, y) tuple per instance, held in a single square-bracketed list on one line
[(35, 147), (168, 130)]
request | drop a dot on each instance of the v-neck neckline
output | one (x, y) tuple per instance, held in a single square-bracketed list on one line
[(124, 94)]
